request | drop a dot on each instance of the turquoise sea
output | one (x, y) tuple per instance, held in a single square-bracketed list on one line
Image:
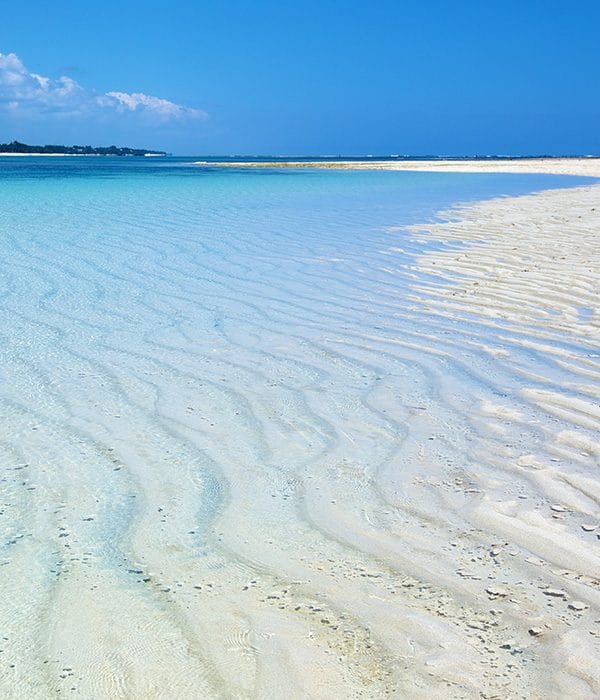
[(210, 382)]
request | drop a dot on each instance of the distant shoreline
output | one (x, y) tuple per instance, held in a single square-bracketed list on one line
[(18, 148), (52, 155), (78, 155)]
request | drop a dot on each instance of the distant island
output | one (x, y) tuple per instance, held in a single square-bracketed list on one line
[(25, 149)]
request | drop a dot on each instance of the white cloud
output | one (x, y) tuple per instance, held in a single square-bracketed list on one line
[(29, 93), (138, 101)]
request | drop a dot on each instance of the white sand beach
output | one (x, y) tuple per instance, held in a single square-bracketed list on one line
[(529, 268), (557, 166)]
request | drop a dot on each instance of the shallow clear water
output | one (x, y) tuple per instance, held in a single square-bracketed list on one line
[(200, 398)]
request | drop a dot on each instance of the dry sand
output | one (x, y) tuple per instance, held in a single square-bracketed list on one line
[(528, 270)]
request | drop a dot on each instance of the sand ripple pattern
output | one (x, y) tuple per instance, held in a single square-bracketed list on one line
[(240, 459)]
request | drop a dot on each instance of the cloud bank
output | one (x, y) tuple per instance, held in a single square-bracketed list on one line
[(28, 94)]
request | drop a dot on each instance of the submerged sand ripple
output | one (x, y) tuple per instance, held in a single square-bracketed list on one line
[(222, 481)]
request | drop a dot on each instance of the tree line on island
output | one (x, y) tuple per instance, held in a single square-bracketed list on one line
[(18, 147)]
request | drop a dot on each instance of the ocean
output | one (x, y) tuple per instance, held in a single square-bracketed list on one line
[(213, 383)]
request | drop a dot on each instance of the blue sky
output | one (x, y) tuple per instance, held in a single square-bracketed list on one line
[(420, 77)]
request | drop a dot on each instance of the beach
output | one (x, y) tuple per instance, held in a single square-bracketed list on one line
[(302, 435), (530, 272), (559, 166)]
